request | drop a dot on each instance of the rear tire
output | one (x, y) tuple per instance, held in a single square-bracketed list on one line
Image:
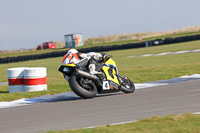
[(79, 90)]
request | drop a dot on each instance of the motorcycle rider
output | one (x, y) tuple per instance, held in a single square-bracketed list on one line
[(91, 58)]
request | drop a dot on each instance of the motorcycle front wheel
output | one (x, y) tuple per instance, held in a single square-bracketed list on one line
[(84, 88), (127, 86)]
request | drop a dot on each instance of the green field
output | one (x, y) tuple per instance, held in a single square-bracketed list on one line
[(139, 69), (186, 123)]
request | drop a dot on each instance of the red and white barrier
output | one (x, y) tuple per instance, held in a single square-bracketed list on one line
[(35, 79), (16, 79), (27, 79)]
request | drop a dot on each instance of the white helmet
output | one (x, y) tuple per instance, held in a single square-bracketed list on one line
[(72, 51)]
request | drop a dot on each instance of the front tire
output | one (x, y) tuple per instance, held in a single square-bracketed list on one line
[(127, 85), (74, 84)]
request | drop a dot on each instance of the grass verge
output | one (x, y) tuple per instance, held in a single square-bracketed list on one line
[(138, 69), (186, 123)]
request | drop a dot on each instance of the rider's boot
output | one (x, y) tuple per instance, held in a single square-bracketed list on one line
[(92, 70)]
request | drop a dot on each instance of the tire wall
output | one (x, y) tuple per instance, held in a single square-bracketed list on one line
[(102, 48)]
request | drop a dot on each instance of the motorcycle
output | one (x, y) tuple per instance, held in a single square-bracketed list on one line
[(88, 86)]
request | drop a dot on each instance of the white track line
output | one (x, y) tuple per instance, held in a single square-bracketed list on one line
[(168, 53)]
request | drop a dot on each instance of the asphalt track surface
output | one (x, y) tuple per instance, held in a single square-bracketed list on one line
[(74, 113)]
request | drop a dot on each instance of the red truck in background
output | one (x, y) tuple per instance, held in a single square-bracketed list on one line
[(47, 45)]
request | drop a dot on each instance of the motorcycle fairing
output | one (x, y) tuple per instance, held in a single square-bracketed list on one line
[(112, 76), (67, 69)]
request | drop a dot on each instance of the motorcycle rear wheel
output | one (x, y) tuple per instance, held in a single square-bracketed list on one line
[(81, 91)]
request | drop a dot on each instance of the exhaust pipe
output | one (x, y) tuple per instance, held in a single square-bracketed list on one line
[(88, 75)]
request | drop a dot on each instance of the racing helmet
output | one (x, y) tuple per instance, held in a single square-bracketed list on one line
[(72, 51)]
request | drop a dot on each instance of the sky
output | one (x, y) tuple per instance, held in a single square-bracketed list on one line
[(27, 23)]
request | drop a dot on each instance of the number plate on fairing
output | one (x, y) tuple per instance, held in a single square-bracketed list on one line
[(106, 85)]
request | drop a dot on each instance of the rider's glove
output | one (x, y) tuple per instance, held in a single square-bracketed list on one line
[(104, 55)]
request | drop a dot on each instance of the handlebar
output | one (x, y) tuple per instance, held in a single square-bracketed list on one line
[(107, 58)]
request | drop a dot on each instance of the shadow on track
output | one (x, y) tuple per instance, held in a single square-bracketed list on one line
[(67, 96)]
